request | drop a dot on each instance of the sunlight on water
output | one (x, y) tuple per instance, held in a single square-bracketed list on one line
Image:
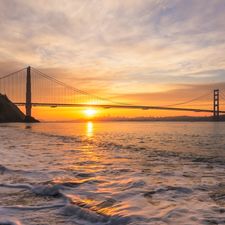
[(89, 129), (112, 173)]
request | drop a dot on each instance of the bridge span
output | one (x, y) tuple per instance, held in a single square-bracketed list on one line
[(117, 106), (39, 88)]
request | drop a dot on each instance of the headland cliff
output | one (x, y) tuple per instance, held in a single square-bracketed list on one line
[(9, 112)]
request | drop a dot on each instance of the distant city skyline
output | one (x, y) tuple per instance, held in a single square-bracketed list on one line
[(144, 52)]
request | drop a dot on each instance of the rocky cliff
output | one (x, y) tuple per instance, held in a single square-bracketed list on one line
[(9, 112)]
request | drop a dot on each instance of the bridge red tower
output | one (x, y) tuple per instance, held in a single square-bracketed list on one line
[(216, 105), (28, 92)]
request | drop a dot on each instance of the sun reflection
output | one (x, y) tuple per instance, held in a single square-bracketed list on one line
[(89, 129)]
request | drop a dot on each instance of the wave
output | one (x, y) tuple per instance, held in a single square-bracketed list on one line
[(44, 189), (8, 222), (88, 215), (2, 169), (72, 206)]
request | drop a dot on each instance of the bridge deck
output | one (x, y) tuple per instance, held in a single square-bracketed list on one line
[(117, 106)]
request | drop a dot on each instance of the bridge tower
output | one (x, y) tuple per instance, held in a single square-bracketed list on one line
[(28, 92), (216, 105)]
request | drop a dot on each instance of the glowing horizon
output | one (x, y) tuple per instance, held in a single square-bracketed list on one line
[(142, 53)]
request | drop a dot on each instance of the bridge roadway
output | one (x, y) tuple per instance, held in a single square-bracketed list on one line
[(117, 106)]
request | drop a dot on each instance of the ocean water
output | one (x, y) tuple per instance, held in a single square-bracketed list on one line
[(112, 173)]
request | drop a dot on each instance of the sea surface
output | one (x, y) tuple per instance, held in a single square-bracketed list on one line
[(112, 173)]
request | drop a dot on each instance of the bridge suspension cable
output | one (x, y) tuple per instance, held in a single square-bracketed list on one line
[(47, 91), (195, 99), (222, 96), (107, 100), (14, 85), (93, 97), (12, 73)]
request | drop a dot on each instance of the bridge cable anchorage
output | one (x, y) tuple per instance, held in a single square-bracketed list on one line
[(77, 90), (182, 103)]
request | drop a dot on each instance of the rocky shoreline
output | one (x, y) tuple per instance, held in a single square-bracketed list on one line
[(9, 112)]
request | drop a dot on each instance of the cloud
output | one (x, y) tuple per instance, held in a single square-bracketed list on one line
[(203, 75), (116, 46), (210, 73)]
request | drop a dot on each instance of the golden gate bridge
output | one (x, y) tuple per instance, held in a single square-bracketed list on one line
[(30, 87)]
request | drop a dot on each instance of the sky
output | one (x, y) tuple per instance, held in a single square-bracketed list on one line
[(146, 52)]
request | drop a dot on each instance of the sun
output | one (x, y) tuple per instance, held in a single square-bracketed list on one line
[(90, 112)]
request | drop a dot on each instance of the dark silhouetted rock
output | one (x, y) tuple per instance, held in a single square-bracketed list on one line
[(9, 112), (30, 119)]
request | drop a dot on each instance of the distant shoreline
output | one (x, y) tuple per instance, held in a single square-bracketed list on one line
[(151, 119), (142, 119)]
